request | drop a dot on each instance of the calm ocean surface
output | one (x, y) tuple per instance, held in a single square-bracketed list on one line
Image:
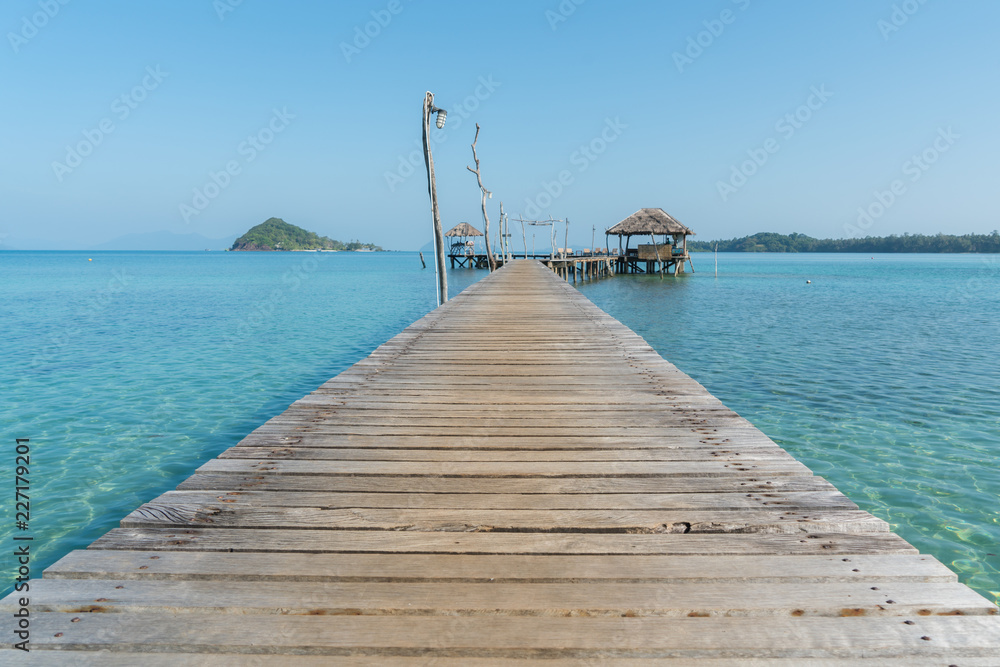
[(129, 371)]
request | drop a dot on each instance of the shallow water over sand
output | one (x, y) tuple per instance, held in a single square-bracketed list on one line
[(129, 371)]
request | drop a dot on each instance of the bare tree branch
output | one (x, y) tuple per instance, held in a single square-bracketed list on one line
[(486, 218)]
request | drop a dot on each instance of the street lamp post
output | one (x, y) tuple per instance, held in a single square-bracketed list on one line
[(439, 266)]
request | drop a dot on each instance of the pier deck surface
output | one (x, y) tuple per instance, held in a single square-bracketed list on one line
[(515, 477)]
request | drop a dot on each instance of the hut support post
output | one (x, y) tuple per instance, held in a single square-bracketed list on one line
[(439, 266), (656, 249)]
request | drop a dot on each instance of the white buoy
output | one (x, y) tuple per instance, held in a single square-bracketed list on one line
[(808, 282)]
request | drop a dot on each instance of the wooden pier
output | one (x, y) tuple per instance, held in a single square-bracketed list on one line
[(583, 267), (586, 266), (515, 477)]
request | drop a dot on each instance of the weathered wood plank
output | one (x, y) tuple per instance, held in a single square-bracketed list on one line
[(404, 541), (527, 637), (454, 454), (507, 469), (735, 441), (667, 600), (555, 424), (820, 500), (737, 483), (60, 658), (406, 567), (472, 430), (778, 520)]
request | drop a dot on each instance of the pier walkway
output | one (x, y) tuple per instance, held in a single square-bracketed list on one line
[(516, 476)]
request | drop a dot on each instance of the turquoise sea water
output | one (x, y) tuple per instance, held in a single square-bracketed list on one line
[(129, 371), (882, 375)]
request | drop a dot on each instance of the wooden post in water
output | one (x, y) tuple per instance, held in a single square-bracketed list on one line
[(424, 264), (656, 248), (439, 266)]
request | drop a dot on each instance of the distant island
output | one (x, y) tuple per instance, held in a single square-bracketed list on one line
[(275, 234), (938, 243)]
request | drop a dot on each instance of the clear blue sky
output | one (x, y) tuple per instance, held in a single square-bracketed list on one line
[(666, 119)]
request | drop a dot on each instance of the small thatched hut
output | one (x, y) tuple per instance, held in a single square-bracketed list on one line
[(649, 223), (463, 247), (463, 229)]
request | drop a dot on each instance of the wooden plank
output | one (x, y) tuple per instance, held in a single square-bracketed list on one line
[(816, 500), (510, 405), (527, 637), (455, 454), (666, 600), (407, 567), (778, 520), (676, 413), (61, 658), (722, 438), (507, 469), (579, 426), (404, 541), (472, 430), (737, 483)]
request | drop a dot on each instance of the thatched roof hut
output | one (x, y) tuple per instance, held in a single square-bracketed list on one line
[(463, 229), (649, 221), (462, 246)]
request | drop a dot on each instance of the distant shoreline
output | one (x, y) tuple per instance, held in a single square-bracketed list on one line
[(850, 252), (907, 243)]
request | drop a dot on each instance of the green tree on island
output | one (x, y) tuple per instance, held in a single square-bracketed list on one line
[(276, 234), (938, 243)]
